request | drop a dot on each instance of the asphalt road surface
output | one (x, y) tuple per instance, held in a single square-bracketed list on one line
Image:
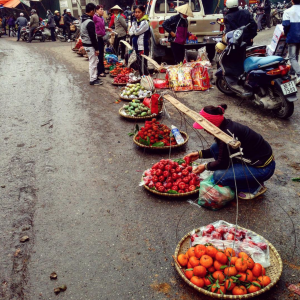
[(69, 177)]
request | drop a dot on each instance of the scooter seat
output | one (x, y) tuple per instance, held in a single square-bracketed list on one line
[(252, 63)]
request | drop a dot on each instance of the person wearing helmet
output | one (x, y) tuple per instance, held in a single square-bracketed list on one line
[(21, 22), (59, 21), (128, 13), (68, 20), (236, 18), (33, 24)]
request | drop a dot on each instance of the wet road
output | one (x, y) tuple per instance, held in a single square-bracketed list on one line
[(70, 182)]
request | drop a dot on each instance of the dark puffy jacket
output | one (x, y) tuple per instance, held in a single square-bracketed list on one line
[(68, 19), (236, 18), (178, 25), (57, 20)]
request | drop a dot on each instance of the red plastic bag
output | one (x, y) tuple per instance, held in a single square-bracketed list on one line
[(147, 102), (161, 83), (154, 103)]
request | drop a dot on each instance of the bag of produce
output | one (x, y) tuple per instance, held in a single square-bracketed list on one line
[(111, 58), (184, 79), (156, 103), (147, 83), (200, 77), (172, 76), (202, 54), (214, 196)]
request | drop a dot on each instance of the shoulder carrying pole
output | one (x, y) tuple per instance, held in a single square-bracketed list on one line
[(211, 128)]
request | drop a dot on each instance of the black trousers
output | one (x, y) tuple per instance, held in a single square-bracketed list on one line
[(100, 65), (68, 31), (178, 52), (142, 62), (268, 19), (63, 28), (120, 46), (53, 38)]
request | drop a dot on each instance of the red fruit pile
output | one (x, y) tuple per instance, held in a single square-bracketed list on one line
[(156, 132), (168, 175), (230, 233), (121, 78)]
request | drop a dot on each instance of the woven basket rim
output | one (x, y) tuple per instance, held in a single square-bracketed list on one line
[(118, 84), (170, 195), (136, 118), (185, 136), (214, 295), (130, 99)]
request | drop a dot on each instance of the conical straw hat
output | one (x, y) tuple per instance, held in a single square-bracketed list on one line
[(185, 10), (116, 7)]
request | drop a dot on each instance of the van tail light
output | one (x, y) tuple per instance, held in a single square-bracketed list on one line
[(281, 70), (222, 27), (160, 28)]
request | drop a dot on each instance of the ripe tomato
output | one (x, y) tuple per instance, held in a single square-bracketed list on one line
[(185, 179), (161, 178), (174, 188), (184, 165), (178, 169), (154, 178), (181, 191), (161, 189), (190, 169), (192, 188), (192, 182), (185, 172), (174, 176), (172, 171), (166, 173), (158, 172), (181, 185), (158, 184), (169, 185)]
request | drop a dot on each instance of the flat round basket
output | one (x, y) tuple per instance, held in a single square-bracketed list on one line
[(274, 271), (118, 84), (130, 99), (184, 135), (134, 82), (171, 195), (113, 75), (123, 114)]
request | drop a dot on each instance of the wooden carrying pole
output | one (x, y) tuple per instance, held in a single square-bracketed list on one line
[(211, 128)]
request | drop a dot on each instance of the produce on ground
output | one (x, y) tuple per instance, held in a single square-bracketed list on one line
[(155, 134), (119, 70), (172, 177), (137, 109), (121, 79), (135, 91), (223, 271)]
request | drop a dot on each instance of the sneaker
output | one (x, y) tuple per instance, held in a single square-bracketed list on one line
[(267, 28), (249, 196), (96, 82), (69, 41)]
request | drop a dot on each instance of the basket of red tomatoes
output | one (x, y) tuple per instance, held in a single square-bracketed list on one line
[(155, 135), (173, 178)]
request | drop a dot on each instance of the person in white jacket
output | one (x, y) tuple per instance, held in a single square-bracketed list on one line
[(140, 32)]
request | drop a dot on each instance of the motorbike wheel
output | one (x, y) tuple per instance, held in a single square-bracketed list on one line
[(62, 38), (25, 37), (43, 39), (223, 87), (286, 109)]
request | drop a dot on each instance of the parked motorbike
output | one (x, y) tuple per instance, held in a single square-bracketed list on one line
[(37, 34), (47, 33), (263, 80), (74, 34)]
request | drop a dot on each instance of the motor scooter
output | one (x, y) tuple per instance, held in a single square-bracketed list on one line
[(37, 34), (74, 34), (263, 80)]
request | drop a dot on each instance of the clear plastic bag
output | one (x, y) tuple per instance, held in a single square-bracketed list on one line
[(222, 234), (202, 54), (214, 196)]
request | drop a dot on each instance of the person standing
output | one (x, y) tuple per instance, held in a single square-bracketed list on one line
[(59, 20), (177, 27), (291, 26), (140, 31), (260, 11), (120, 29), (51, 24), (33, 24), (4, 23), (268, 13), (89, 41), (11, 24), (236, 18), (68, 21), (101, 32), (21, 22)]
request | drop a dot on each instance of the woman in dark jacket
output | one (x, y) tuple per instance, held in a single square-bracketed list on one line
[(140, 32), (253, 163), (177, 27), (11, 24)]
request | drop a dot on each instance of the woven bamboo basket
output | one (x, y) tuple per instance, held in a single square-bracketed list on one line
[(171, 195), (123, 114), (119, 84), (113, 75), (274, 271), (184, 135), (130, 99)]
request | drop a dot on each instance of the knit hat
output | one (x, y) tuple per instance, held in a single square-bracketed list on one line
[(185, 10)]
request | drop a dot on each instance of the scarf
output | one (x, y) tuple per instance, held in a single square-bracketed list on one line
[(143, 18), (214, 119)]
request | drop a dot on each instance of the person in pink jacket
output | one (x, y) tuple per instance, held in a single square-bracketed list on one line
[(100, 31)]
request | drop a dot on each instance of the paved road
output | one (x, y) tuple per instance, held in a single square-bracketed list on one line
[(70, 181)]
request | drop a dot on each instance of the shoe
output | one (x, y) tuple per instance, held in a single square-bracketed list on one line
[(96, 82), (101, 75), (106, 72), (267, 28), (249, 196), (69, 41)]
